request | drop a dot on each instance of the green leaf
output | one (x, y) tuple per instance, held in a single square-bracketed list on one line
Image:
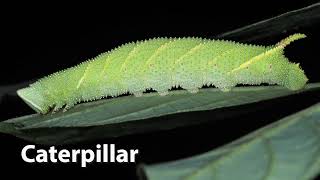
[(287, 149), (129, 114)]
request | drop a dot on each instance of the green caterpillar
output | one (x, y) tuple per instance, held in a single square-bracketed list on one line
[(161, 64)]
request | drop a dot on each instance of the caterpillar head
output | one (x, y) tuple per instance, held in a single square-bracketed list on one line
[(296, 79), (34, 98)]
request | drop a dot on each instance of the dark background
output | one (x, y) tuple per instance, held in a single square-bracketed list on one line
[(37, 41)]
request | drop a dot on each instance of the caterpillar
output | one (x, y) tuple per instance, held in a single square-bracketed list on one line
[(163, 63)]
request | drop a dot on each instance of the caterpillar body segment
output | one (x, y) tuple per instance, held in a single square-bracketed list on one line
[(161, 64)]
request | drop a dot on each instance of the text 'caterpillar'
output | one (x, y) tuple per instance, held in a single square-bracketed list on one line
[(163, 63)]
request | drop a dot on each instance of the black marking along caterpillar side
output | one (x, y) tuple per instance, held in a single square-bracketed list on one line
[(163, 63)]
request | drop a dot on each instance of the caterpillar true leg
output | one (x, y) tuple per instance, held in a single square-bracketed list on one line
[(68, 106), (56, 108)]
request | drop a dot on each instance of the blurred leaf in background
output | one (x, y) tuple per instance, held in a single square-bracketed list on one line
[(288, 149)]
